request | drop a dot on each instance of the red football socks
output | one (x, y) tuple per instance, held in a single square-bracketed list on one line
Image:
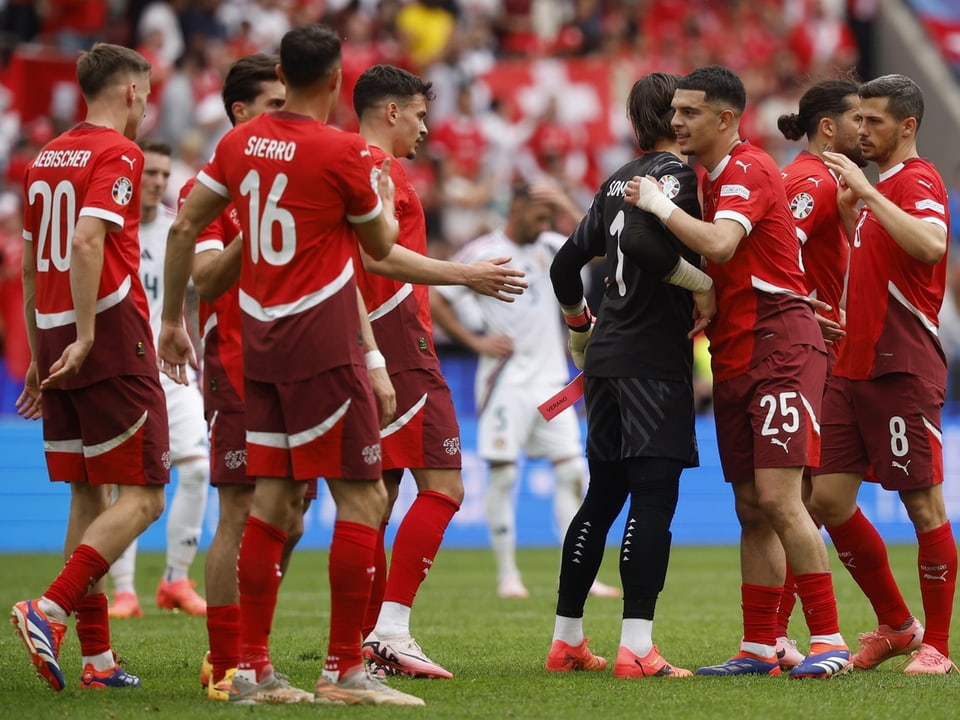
[(351, 575), (378, 585), (819, 602), (223, 634), (93, 625), (258, 575), (862, 551), (84, 568), (759, 605), (937, 563), (416, 545)]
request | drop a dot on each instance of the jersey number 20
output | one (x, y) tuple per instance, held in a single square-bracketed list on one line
[(58, 212)]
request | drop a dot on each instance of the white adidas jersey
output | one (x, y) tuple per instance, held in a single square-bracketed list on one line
[(532, 321), (153, 248)]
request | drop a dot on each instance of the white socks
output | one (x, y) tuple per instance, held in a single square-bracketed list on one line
[(569, 630), (571, 478), (501, 519), (123, 570), (636, 635), (185, 517), (393, 621)]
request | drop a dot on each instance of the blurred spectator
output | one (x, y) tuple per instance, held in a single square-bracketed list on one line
[(37, 134), (73, 24), (13, 328), (861, 18), (425, 28), (189, 157), (506, 132), (823, 42), (19, 20), (161, 17), (268, 23)]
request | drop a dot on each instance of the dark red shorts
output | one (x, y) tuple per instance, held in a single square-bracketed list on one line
[(891, 423), (768, 417), (425, 433), (324, 426), (112, 432), (228, 448)]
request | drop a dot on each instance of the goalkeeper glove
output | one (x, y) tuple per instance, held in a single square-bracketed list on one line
[(580, 327)]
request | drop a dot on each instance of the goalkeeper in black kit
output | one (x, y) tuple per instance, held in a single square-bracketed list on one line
[(637, 361)]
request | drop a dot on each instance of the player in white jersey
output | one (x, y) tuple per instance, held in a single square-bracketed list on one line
[(519, 367), (189, 452)]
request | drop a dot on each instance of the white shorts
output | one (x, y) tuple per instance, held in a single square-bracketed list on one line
[(510, 422), (188, 429)]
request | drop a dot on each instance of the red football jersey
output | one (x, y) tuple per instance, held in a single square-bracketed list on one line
[(89, 171), (399, 311), (812, 194), (220, 322), (894, 300), (297, 185), (760, 290)]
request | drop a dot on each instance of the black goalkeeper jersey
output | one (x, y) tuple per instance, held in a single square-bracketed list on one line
[(643, 321)]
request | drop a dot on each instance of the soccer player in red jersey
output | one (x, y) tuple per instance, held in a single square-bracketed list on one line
[(304, 192), (769, 366), (251, 87), (882, 407), (391, 105), (828, 117), (93, 375)]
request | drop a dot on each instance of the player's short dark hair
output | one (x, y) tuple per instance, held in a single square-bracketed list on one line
[(649, 110), (719, 85), (159, 147), (308, 53), (100, 65), (827, 98), (245, 80), (904, 98), (387, 82)]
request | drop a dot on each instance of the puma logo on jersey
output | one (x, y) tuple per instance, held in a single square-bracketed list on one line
[(942, 577), (364, 153), (894, 463), (815, 181), (744, 165), (128, 160), (782, 443), (927, 185)]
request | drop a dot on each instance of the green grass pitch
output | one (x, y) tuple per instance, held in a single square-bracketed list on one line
[(495, 648)]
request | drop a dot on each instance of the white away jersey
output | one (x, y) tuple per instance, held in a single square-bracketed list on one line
[(532, 321), (153, 249)]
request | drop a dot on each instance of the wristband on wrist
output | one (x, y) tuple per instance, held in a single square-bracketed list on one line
[(662, 207), (375, 359), (688, 276), (580, 320)]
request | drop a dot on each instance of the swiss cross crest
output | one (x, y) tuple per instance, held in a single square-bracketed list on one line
[(452, 446), (234, 459), (371, 454)]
